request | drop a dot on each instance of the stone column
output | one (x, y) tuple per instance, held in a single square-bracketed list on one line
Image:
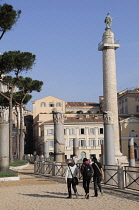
[(46, 149), (59, 142), (109, 138), (76, 147), (4, 143), (108, 46), (131, 152)]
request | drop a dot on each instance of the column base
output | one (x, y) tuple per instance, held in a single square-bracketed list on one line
[(121, 160)]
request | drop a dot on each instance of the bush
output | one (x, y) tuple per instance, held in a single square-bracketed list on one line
[(18, 163)]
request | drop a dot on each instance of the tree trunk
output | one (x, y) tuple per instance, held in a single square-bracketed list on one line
[(17, 137), (10, 130), (21, 140)]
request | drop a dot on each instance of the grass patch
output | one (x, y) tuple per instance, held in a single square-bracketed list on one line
[(18, 163), (7, 174)]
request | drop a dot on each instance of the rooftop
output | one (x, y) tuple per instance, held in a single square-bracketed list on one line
[(82, 104)]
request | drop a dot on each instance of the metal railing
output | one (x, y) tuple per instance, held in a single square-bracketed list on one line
[(131, 177), (120, 177), (111, 175)]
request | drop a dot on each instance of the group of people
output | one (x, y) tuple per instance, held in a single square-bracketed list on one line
[(88, 171)]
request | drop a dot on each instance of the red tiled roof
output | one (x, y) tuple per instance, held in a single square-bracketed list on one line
[(81, 119)]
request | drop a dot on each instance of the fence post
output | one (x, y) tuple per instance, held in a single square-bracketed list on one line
[(53, 169), (35, 167), (120, 178), (42, 167)]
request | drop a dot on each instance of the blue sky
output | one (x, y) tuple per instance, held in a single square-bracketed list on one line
[(64, 36)]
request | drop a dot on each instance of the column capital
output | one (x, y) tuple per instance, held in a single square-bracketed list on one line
[(58, 117), (108, 117)]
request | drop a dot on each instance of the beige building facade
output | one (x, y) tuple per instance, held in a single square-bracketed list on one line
[(42, 112), (88, 130), (130, 128), (128, 102)]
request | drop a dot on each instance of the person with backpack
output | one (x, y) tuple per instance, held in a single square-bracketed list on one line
[(98, 173), (87, 173)]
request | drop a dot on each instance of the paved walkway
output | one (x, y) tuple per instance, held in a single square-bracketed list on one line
[(36, 192)]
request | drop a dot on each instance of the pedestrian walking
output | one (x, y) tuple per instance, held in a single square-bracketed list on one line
[(87, 173), (97, 176), (71, 172)]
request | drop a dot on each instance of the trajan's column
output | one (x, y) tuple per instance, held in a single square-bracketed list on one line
[(108, 47)]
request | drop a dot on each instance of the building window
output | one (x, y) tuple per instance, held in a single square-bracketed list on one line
[(133, 133), (92, 142), (91, 130), (126, 110), (92, 156), (137, 99), (83, 143), (82, 131), (50, 131), (100, 141), (58, 104), (125, 99), (71, 143), (71, 131), (51, 105), (51, 144), (101, 131), (43, 104), (64, 131), (137, 108)]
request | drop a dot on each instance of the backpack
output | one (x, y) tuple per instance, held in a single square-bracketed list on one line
[(87, 172)]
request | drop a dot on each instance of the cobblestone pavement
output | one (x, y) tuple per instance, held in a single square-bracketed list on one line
[(34, 192)]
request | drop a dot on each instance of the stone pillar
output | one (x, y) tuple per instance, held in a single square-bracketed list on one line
[(4, 143), (59, 142), (46, 149), (131, 152), (109, 139), (120, 178), (108, 47), (102, 154), (76, 147), (109, 81)]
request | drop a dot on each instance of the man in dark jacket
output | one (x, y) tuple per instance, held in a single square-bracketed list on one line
[(87, 173), (98, 172)]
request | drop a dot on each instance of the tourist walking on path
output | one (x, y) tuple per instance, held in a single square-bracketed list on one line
[(98, 173), (87, 173), (71, 171)]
